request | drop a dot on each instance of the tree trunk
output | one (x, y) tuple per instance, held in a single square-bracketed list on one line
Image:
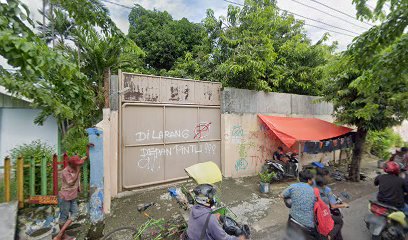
[(106, 86), (354, 172)]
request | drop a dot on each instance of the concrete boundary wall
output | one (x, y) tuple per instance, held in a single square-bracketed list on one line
[(247, 142), (235, 100)]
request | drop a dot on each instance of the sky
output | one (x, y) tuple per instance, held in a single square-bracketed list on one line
[(194, 10)]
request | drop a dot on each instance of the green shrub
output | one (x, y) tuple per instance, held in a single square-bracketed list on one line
[(75, 142), (266, 177), (380, 143), (37, 150)]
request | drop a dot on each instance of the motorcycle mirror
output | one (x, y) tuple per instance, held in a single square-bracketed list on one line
[(288, 202), (346, 195)]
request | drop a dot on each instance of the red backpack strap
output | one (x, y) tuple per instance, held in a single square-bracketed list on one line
[(316, 192)]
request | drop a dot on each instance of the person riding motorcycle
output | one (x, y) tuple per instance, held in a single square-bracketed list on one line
[(328, 197), (202, 224), (392, 188), (302, 198)]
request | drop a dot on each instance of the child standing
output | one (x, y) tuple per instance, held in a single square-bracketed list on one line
[(69, 192)]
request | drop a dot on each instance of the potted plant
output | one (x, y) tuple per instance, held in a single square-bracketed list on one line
[(265, 180)]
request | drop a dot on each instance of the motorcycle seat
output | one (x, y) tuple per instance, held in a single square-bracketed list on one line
[(384, 205), (299, 224)]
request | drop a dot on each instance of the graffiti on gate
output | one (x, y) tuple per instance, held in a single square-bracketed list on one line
[(149, 157), (241, 164), (179, 93), (202, 130), (160, 135)]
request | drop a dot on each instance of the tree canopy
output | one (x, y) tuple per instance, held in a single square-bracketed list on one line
[(64, 82), (257, 47), (163, 39), (368, 83), (53, 82)]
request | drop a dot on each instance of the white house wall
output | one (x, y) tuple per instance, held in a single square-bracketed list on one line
[(17, 127)]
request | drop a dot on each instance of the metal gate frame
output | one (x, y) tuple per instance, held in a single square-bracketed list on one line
[(123, 104)]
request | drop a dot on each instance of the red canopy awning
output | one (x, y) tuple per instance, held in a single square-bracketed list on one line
[(289, 130)]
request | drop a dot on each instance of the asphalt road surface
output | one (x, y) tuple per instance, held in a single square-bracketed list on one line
[(354, 227)]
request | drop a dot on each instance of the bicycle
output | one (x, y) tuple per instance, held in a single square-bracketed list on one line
[(152, 229)]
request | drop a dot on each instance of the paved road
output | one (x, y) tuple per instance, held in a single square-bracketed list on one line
[(354, 226)]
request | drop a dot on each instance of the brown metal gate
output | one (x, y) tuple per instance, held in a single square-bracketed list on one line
[(167, 124)]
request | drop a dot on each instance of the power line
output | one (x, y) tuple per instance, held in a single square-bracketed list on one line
[(348, 15), (345, 20), (306, 24), (239, 4), (305, 18), (311, 19), (117, 4)]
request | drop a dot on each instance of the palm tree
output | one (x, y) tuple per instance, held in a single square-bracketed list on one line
[(102, 53), (58, 27)]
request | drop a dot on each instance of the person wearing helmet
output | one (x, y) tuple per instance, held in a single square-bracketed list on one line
[(69, 192), (202, 224), (392, 188)]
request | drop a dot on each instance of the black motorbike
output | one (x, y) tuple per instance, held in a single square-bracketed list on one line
[(231, 227), (298, 231), (386, 222), (283, 170)]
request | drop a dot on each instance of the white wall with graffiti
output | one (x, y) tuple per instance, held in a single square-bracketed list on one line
[(247, 142)]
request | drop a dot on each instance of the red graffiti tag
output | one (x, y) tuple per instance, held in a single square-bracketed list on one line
[(201, 130)]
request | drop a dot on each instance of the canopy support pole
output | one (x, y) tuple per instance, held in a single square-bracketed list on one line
[(300, 156)]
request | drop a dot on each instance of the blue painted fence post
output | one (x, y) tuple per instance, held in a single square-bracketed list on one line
[(96, 181)]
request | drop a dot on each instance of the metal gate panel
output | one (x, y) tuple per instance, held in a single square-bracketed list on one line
[(143, 165), (211, 126), (180, 122), (144, 125), (182, 156), (211, 152), (167, 125)]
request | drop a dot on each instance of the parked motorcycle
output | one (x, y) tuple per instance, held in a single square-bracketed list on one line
[(283, 170), (386, 222)]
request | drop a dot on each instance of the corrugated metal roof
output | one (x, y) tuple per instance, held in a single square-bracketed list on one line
[(8, 100), (4, 91)]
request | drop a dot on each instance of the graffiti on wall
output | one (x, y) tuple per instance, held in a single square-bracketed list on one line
[(150, 157), (253, 147), (236, 134), (241, 164)]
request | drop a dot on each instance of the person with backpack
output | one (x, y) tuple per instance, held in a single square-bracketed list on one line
[(202, 224), (302, 197), (329, 199)]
